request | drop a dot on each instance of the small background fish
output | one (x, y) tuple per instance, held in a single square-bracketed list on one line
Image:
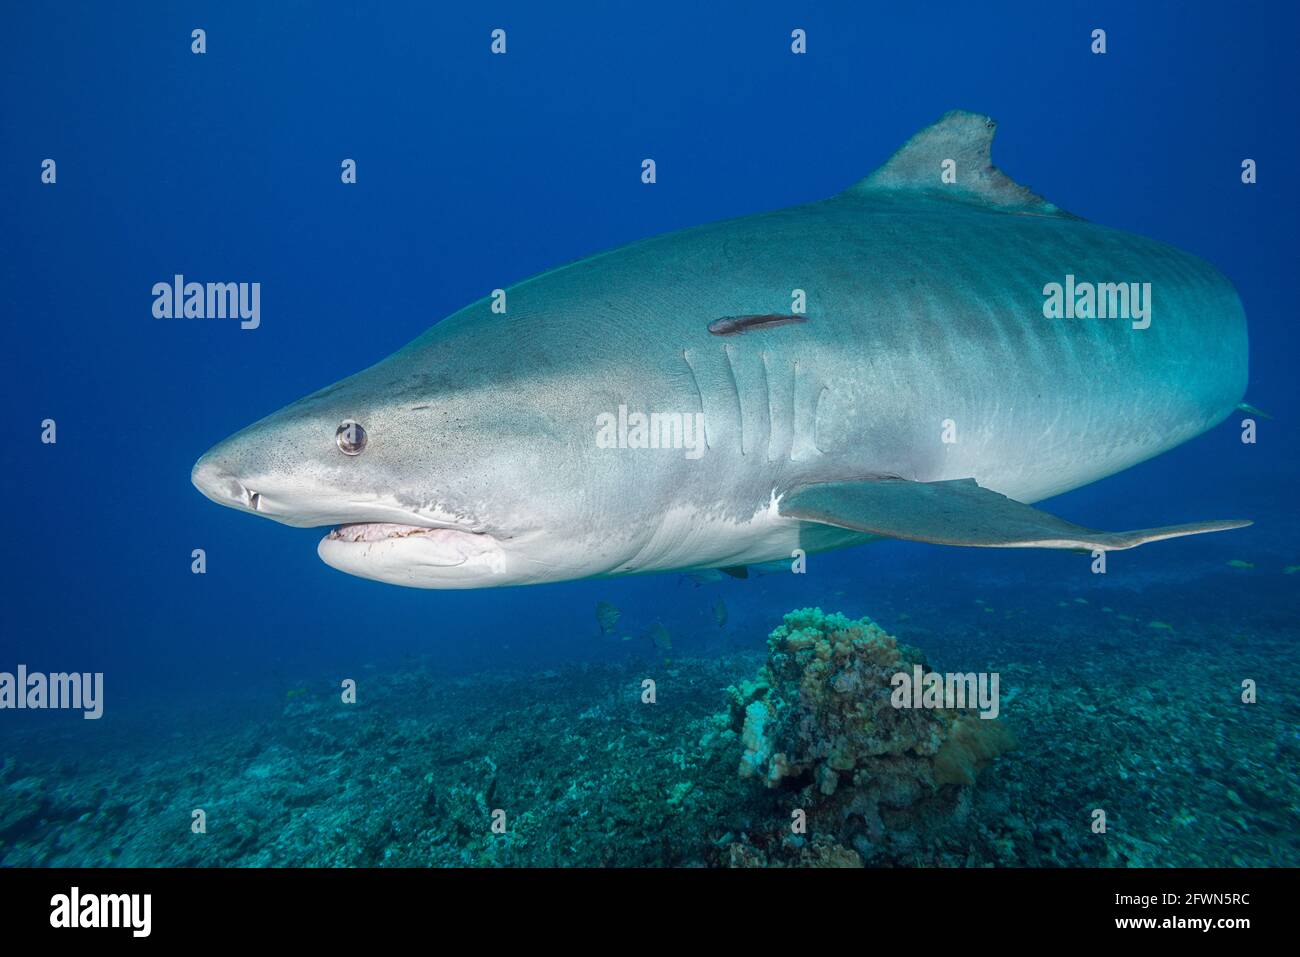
[(607, 615)]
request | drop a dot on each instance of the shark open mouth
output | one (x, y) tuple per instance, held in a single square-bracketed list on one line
[(413, 554), (379, 531), (438, 546)]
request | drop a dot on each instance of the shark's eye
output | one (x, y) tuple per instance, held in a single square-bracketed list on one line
[(351, 437)]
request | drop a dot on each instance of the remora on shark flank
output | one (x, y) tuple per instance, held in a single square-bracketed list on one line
[(922, 394)]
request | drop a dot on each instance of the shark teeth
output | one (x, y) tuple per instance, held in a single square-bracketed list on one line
[(376, 531), (383, 531)]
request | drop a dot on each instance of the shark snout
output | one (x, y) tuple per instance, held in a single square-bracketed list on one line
[(220, 484), (301, 497)]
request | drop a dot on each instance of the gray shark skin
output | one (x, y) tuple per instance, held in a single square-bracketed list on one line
[(923, 394)]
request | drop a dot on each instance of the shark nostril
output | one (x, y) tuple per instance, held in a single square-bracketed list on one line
[(254, 501), (231, 488)]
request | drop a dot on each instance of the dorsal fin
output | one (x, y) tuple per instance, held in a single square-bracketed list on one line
[(966, 139)]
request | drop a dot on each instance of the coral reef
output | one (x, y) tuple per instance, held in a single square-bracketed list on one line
[(823, 722)]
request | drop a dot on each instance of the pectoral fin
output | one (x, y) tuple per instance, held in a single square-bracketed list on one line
[(960, 512)]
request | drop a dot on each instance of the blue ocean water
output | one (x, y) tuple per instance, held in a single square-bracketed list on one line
[(476, 171)]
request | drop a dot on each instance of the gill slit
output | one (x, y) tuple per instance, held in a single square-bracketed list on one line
[(767, 391), (699, 394), (817, 405), (735, 387)]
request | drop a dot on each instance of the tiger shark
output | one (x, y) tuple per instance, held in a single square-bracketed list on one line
[(918, 357)]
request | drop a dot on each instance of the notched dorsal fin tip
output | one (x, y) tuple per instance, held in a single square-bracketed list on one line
[(922, 165)]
